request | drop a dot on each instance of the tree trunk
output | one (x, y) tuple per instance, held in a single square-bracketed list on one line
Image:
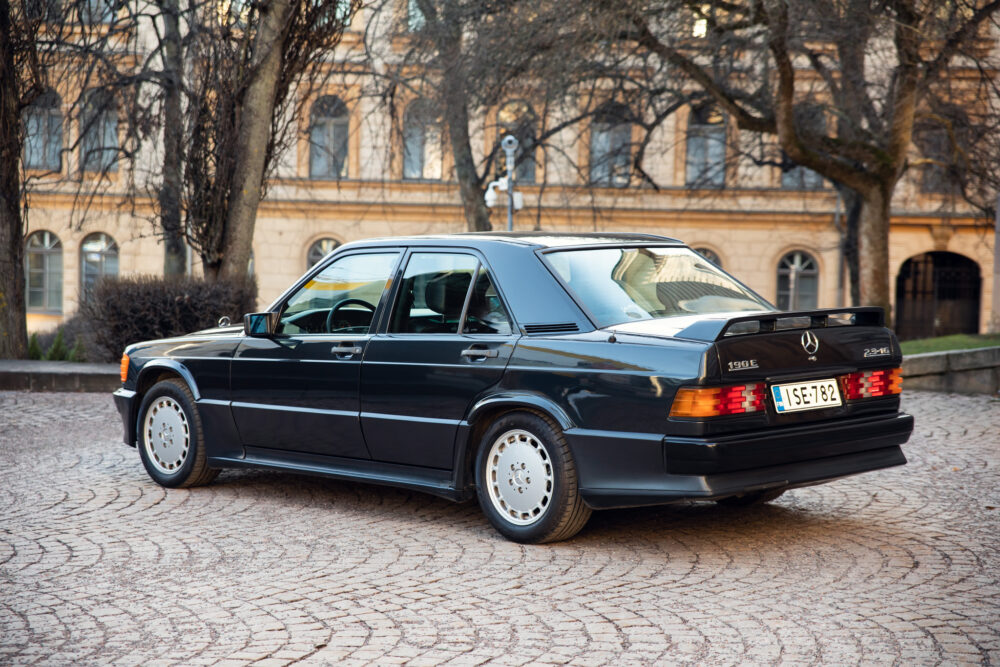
[(252, 143), (873, 249), (477, 215), (852, 217), (174, 256), (13, 328)]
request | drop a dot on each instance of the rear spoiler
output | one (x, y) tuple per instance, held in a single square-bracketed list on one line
[(713, 330)]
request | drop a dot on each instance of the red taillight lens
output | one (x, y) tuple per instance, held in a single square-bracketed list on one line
[(869, 384), (718, 401)]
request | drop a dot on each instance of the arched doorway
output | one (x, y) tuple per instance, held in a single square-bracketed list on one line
[(937, 294)]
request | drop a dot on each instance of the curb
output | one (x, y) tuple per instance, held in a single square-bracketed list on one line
[(24, 375), (975, 371)]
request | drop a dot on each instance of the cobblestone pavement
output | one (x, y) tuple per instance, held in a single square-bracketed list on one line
[(99, 565)]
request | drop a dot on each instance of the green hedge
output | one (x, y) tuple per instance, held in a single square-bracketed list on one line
[(121, 311)]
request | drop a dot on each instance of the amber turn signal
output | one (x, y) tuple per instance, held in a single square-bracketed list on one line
[(124, 368), (718, 401)]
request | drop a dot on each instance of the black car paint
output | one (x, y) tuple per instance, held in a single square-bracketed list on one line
[(610, 391)]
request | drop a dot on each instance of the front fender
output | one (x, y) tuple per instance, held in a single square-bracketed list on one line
[(157, 366)]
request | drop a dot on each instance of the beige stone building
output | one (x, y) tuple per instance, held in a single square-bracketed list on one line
[(353, 174)]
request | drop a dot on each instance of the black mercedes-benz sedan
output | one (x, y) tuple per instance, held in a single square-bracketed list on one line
[(547, 375)]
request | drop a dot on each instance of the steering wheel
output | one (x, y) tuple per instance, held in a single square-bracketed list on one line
[(331, 316)]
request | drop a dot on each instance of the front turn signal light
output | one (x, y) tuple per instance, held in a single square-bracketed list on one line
[(718, 401), (124, 368)]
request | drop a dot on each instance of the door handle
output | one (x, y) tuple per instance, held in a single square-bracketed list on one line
[(475, 352), (346, 350)]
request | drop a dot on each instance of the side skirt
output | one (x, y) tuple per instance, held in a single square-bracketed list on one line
[(434, 482)]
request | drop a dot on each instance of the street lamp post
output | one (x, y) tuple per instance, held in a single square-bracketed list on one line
[(509, 145)]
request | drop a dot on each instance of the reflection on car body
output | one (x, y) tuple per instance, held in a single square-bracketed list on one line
[(546, 375)]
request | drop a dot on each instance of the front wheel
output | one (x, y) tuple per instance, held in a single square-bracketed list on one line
[(526, 480), (171, 443)]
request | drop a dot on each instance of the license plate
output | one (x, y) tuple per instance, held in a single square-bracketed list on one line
[(806, 395)]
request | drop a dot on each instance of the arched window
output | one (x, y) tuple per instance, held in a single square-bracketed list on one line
[(519, 119), (328, 127), (706, 148), (43, 133), (611, 146), (710, 255), (98, 258), (99, 132), (421, 142), (798, 281), (320, 249), (43, 271)]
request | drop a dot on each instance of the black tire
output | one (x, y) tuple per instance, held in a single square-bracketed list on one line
[(560, 512), (751, 499), (171, 441)]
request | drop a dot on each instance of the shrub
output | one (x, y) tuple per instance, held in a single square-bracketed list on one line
[(77, 329), (34, 348), (121, 311), (79, 352), (57, 351)]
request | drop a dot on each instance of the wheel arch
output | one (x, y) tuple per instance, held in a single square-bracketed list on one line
[(149, 375), (490, 408)]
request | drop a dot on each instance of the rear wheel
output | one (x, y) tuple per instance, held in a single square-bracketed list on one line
[(751, 499), (526, 480), (171, 442)]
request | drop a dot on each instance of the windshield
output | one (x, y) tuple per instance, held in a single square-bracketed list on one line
[(627, 284)]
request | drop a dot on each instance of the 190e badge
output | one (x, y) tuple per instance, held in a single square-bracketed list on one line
[(743, 365)]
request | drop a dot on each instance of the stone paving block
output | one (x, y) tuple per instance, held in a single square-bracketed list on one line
[(99, 564)]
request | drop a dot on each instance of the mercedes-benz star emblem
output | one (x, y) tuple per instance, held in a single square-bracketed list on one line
[(810, 343)]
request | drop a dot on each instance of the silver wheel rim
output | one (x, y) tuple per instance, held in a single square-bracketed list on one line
[(167, 435), (519, 477)]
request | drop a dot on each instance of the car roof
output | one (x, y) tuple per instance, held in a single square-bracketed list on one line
[(527, 239)]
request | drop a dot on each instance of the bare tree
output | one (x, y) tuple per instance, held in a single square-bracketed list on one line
[(873, 67)]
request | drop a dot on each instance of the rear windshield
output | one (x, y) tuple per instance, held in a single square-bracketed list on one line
[(627, 284)]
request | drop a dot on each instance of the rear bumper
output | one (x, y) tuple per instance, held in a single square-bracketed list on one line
[(639, 470)]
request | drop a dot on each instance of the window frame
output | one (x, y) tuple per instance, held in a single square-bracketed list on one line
[(793, 280), (706, 132), (85, 290), (95, 127), (281, 303), (329, 124), (47, 252), (615, 121), (52, 132), (386, 317)]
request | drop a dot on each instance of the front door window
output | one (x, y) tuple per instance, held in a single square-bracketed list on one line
[(341, 298)]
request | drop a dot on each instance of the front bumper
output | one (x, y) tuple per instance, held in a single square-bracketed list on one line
[(125, 401), (637, 470)]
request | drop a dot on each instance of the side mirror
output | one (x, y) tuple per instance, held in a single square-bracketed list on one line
[(260, 325)]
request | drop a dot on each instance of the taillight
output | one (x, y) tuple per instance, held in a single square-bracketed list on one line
[(869, 384), (718, 401), (124, 368)]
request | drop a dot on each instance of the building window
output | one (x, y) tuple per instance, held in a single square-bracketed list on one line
[(43, 133), (328, 128), (98, 258), (611, 146), (710, 255), (706, 148), (95, 11), (43, 271), (99, 132), (796, 177), (798, 281), (421, 142), (519, 119), (415, 18), (320, 249), (936, 175)]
